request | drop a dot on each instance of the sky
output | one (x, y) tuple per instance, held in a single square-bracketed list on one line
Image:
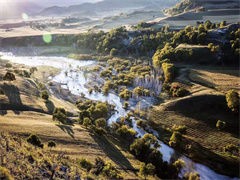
[(48, 2)]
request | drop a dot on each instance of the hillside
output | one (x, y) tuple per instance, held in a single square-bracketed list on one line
[(202, 5)]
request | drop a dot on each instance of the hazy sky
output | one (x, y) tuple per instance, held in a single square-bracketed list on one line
[(46, 2)]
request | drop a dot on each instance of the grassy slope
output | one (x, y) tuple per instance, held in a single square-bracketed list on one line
[(200, 112), (25, 112)]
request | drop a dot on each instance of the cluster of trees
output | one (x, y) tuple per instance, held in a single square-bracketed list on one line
[(100, 167), (146, 150), (93, 114)]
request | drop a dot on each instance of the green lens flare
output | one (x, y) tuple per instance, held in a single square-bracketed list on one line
[(47, 38)]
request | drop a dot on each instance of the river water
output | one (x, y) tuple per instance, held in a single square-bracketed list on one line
[(74, 79)]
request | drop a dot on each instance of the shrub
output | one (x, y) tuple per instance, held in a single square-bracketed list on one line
[(51, 144), (175, 139), (168, 70), (9, 77), (232, 149), (44, 95), (125, 105), (85, 164), (111, 172), (147, 169), (125, 94), (142, 123), (232, 99), (5, 174), (220, 124), (177, 90), (26, 74), (179, 128), (113, 52), (192, 176), (8, 65), (34, 140)]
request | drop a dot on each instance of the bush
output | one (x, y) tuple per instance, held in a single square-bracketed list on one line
[(142, 123), (44, 95), (111, 172), (220, 124), (177, 90), (232, 149), (192, 176), (51, 144), (232, 99), (125, 94), (9, 77), (5, 174), (86, 164), (113, 52), (147, 169), (8, 65), (168, 70), (175, 139), (34, 140), (125, 105), (179, 128)]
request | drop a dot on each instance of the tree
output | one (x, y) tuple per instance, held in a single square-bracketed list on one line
[(144, 147), (35, 140), (101, 123), (60, 115), (220, 124), (44, 95), (51, 144), (175, 139), (168, 70), (9, 77), (113, 52), (201, 29), (232, 99), (87, 122), (147, 169)]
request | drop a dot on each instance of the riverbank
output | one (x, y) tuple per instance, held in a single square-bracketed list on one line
[(203, 142)]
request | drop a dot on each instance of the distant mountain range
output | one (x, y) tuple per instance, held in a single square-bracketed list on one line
[(14, 8), (108, 5)]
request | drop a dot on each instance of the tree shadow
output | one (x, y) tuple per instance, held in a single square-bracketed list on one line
[(208, 109), (67, 129), (50, 106), (112, 152), (2, 112)]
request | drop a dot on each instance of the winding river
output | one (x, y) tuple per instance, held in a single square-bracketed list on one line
[(73, 79)]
